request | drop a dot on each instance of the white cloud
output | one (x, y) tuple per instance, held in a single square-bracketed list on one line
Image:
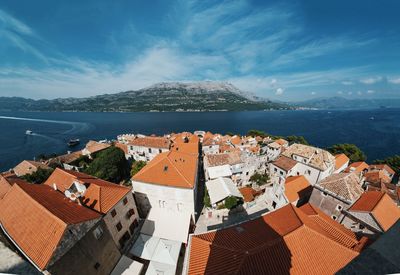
[(371, 80), (273, 81), (349, 93), (370, 91), (279, 91), (394, 80), (347, 82), (313, 93), (339, 92), (359, 93)]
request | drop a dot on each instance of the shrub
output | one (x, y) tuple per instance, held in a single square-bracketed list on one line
[(350, 150), (137, 166), (231, 202), (39, 176), (109, 164)]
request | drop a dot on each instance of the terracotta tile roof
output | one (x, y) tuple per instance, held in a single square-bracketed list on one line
[(153, 142), (5, 186), (345, 185), (282, 242), (316, 157), (285, 163), (225, 148), (255, 149), (248, 193), (37, 225), (382, 167), (7, 181), (231, 158), (295, 187), (340, 160), (236, 140), (282, 142), (376, 177), (28, 167), (68, 158), (172, 168), (100, 195), (94, 146), (380, 205), (188, 148), (185, 137), (358, 167), (122, 146), (334, 230)]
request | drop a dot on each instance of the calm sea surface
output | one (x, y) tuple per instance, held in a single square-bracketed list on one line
[(376, 132)]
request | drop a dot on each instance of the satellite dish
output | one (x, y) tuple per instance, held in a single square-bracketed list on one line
[(70, 195)]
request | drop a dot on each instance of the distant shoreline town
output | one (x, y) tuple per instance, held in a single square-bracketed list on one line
[(200, 203)]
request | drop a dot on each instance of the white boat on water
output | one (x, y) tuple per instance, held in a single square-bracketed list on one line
[(28, 132)]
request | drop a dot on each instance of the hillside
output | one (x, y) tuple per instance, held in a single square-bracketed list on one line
[(343, 103), (199, 96)]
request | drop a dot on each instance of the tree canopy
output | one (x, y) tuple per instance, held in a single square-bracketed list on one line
[(39, 176), (259, 179), (350, 150), (231, 202), (137, 166), (109, 164), (297, 139), (255, 133)]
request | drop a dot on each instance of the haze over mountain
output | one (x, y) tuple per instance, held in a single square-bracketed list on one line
[(172, 96), (344, 103)]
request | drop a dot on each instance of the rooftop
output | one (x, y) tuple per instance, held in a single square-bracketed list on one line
[(285, 163), (36, 217), (340, 160), (316, 157), (153, 142), (345, 185), (94, 146), (380, 205), (382, 167), (281, 242), (174, 168), (100, 195), (295, 187), (358, 167), (231, 158)]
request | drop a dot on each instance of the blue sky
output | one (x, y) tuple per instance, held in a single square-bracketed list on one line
[(280, 50)]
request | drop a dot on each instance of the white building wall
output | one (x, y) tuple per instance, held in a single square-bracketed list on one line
[(342, 168), (142, 153), (160, 196), (211, 149)]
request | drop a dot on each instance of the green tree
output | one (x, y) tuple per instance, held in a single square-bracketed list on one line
[(297, 139), (255, 133), (393, 162), (137, 166), (206, 199), (350, 150), (109, 164), (39, 176), (259, 179), (231, 202)]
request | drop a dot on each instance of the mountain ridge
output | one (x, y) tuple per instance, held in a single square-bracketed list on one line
[(164, 96)]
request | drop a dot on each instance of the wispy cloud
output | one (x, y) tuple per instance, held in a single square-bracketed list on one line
[(394, 80), (262, 50), (371, 80)]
